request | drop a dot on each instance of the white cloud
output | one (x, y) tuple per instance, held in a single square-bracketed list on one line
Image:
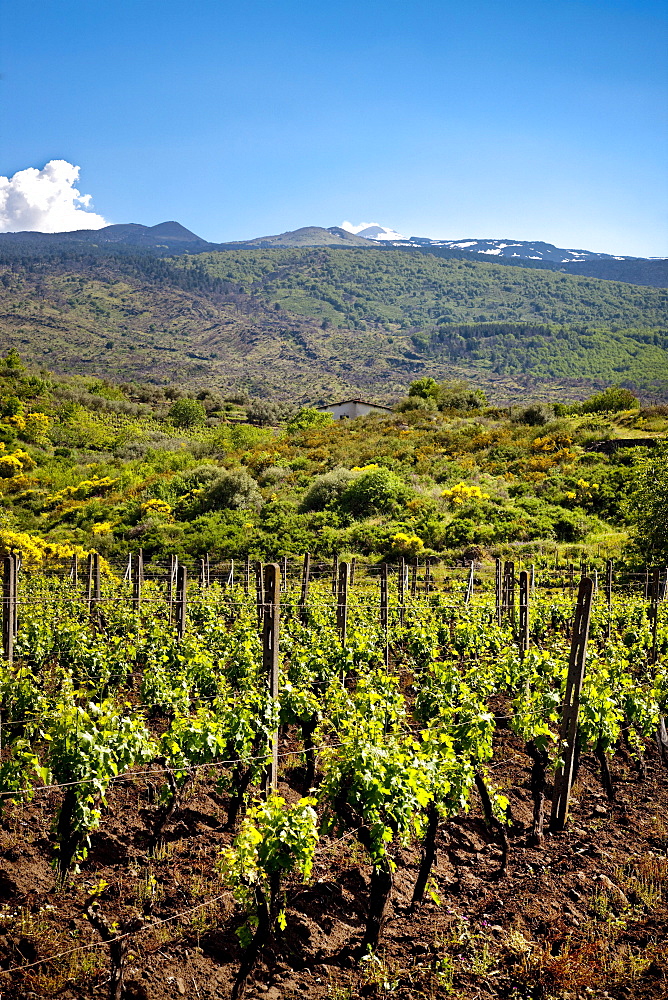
[(46, 201), (350, 228)]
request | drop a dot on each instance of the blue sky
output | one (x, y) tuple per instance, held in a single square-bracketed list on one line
[(530, 119)]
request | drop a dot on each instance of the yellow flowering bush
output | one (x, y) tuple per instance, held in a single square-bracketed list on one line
[(551, 442), (584, 491), (82, 490), (407, 545), (102, 528), (34, 550), (462, 492), (15, 464), (157, 508), (15, 420), (10, 466)]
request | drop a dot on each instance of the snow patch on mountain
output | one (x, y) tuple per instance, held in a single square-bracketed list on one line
[(372, 231)]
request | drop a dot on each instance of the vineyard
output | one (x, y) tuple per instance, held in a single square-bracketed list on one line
[(344, 780)]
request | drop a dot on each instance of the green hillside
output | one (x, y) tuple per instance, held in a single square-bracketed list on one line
[(306, 325), (353, 288), (87, 463)]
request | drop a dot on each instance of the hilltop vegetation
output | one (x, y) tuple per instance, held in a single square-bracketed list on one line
[(353, 287), (90, 464), (307, 325)]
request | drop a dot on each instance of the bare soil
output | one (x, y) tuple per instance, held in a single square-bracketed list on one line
[(585, 916)]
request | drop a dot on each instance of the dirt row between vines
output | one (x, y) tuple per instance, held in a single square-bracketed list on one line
[(586, 916)]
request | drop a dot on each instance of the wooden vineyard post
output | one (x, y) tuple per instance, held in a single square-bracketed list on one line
[(401, 590), (259, 599), (171, 584), (383, 597), (137, 580), (127, 577), (246, 574), (414, 576), (498, 589), (202, 574), (508, 592), (8, 606), (654, 609), (353, 567), (93, 581), (608, 595), (595, 580), (524, 614), (335, 575), (646, 586), (384, 616), (181, 600), (427, 575), (18, 562), (74, 570), (303, 596), (97, 592), (569, 722), (230, 575), (570, 579), (284, 573), (89, 580), (342, 602), (207, 570), (469, 584), (532, 578), (270, 647)]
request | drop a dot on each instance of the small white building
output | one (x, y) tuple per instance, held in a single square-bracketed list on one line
[(348, 409)]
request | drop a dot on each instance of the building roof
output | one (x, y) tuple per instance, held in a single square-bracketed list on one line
[(365, 402)]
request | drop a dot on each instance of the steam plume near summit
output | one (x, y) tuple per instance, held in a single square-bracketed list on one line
[(46, 201)]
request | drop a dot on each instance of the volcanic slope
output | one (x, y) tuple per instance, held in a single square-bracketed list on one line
[(312, 323)]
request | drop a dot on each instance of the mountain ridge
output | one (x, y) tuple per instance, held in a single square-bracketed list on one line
[(172, 239)]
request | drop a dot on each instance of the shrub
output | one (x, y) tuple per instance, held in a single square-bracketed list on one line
[(308, 417), (187, 413), (419, 403), (326, 490), (235, 490), (611, 400), (376, 490), (450, 395), (535, 415)]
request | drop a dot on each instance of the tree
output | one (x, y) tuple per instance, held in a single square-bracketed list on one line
[(424, 388), (647, 506), (187, 413), (12, 362)]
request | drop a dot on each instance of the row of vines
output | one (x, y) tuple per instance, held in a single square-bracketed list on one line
[(391, 733)]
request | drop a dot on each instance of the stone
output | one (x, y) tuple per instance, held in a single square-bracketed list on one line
[(181, 987)]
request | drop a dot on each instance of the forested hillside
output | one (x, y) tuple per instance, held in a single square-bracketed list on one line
[(308, 325)]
